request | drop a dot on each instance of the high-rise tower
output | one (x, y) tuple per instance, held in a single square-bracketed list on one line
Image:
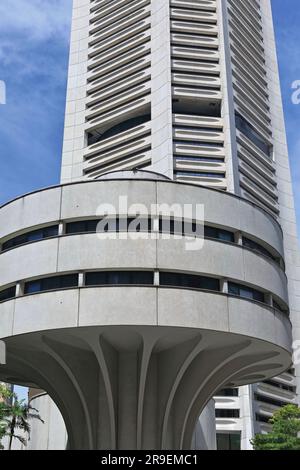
[(169, 103)]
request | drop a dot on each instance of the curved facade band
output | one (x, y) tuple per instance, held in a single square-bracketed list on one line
[(231, 262), (76, 342)]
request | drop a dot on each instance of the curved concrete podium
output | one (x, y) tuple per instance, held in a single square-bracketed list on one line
[(132, 336)]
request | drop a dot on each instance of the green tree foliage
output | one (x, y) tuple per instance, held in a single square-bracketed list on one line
[(285, 433), (5, 396), (15, 416)]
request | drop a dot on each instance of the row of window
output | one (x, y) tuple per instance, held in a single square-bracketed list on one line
[(118, 224), (200, 159), (281, 386), (252, 245), (106, 278), (202, 174), (96, 137), (140, 278), (196, 107), (268, 400), (51, 283), (173, 227), (8, 294), (33, 236), (245, 292)]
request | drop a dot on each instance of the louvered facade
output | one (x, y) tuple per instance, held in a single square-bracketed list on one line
[(154, 83), (150, 91), (254, 136), (198, 139), (118, 105)]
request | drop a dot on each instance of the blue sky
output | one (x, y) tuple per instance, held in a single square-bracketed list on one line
[(34, 36), (286, 21)]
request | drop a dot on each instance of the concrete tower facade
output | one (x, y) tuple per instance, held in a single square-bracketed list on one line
[(170, 104)]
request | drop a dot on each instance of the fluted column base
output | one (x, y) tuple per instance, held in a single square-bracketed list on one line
[(134, 387)]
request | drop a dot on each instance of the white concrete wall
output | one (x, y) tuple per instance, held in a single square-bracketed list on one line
[(205, 432), (52, 434), (74, 135), (161, 89), (285, 188)]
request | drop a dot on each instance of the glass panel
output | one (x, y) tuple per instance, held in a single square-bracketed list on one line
[(51, 231), (76, 227), (226, 236), (235, 442), (228, 392), (52, 283), (222, 442), (32, 287), (258, 296), (233, 289), (7, 294), (218, 234), (200, 174), (228, 441), (30, 237), (189, 281), (71, 280), (245, 292), (33, 236), (248, 130), (119, 278), (257, 247), (227, 413)]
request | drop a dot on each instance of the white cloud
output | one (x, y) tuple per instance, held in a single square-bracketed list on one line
[(28, 25), (38, 20)]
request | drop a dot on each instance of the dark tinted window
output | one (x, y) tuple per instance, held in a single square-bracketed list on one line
[(109, 225), (51, 283), (196, 108), (122, 127), (203, 174), (248, 130), (268, 400), (228, 392), (257, 247), (281, 386), (200, 159), (262, 419), (245, 292), (227, 413), (8, 294), (279, 307), (189, 281), (35, 235), (83, 226), (228, 441), (171, 225), (212, 232), (119, 277)]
